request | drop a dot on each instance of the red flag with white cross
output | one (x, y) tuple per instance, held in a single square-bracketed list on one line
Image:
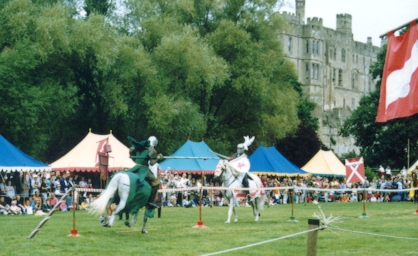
[(354, 169)]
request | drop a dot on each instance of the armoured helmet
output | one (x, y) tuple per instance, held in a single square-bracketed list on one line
[(153, 142)]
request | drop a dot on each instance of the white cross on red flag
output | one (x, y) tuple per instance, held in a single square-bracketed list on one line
[(354, 169), (399, 88)]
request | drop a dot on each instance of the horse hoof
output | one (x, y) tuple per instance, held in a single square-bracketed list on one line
[(127, 224), (144, 231), (227, 222), (236, 220)]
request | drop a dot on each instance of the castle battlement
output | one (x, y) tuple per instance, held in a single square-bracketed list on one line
[(315, 21)]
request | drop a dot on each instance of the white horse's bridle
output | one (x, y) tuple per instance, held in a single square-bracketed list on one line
[(224, 179)]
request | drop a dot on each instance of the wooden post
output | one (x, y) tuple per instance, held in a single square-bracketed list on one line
[(312, 237), (62, 200)]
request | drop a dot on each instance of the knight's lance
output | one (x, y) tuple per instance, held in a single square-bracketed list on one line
[(179, 157), (223, 156)]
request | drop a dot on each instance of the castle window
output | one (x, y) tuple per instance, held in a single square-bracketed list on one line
[(317, 47), (313, 46), (335, 53), (307, 71), (289, 44), (333, 75), (330, 53), (353, 103), (343, 55), (313, 71), (340, 77), (307, 46), (343, 103)]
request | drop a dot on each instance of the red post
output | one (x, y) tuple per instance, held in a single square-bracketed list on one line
[(200, 222)]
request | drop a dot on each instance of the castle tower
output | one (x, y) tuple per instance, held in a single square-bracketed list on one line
[(300, 11), (344, 23)]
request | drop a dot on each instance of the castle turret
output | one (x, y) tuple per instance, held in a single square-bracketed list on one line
[(344, 23), (300, 11)]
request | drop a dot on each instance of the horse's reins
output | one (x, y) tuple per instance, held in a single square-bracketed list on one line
[(224, 180)]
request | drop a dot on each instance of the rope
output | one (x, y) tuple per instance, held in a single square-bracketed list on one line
[(264, 242), (365, 233), (359, 190)]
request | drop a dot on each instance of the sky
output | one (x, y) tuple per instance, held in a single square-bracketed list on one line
[(370, 18)]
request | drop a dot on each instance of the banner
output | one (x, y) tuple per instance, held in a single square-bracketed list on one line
[(101, 149), (399, 88), (354, 169)]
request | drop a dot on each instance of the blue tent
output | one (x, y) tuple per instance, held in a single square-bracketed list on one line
[(196, 166), (269, 161), (13, 159)]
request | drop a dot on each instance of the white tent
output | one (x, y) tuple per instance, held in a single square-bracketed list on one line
[(325, 163), (82, 157)]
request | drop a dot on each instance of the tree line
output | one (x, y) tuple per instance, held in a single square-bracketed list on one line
[(172, 69)]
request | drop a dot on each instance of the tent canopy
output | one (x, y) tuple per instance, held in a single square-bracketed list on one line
[(325, 163), (269, 161), (412, 168), (83, 156), (13, 159), (195, 166)]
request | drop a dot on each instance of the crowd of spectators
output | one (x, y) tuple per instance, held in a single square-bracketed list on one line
[(27, 193), (39, 192)]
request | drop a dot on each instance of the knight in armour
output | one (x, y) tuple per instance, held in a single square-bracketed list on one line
[(147, 158)]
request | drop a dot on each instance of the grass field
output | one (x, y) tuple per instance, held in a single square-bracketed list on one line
[(173, 233)]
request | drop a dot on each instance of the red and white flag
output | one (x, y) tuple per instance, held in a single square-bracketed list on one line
[(399, 88), (101, 149), (354, 170)]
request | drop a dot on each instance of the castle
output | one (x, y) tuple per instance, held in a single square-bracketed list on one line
[(333, 68)]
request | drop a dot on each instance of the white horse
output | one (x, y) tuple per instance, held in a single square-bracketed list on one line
[(229, 180), (119, 188)]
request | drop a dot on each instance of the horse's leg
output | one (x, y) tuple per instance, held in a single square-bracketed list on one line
[(144, 221), (230, 211), (233, 209), (122, 203), (104, 220), (133, 221), (255, 208)]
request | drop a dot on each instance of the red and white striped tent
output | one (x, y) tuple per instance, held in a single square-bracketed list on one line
[(82, 158)]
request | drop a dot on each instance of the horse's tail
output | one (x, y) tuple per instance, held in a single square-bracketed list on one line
[(98, 206)]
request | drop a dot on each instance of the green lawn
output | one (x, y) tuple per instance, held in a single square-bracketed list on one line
[(173, 233)]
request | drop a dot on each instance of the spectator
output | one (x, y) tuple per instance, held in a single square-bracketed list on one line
[(19, 202), (14, 209), (53, 199), (403, 173), (382, 172), (36, 183), (44, 190), (89, 200), (38, 202), (4, 208), (388, 172), (10, 192), (2, 187), (188, 204), (63, 207)]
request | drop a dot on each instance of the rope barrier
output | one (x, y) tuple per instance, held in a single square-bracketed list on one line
[(264, 242), (372, 234), (268, 188)]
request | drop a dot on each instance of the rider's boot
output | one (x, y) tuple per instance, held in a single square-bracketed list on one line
[(151, 200)]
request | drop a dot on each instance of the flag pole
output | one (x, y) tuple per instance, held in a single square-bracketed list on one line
[(400, 27)]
